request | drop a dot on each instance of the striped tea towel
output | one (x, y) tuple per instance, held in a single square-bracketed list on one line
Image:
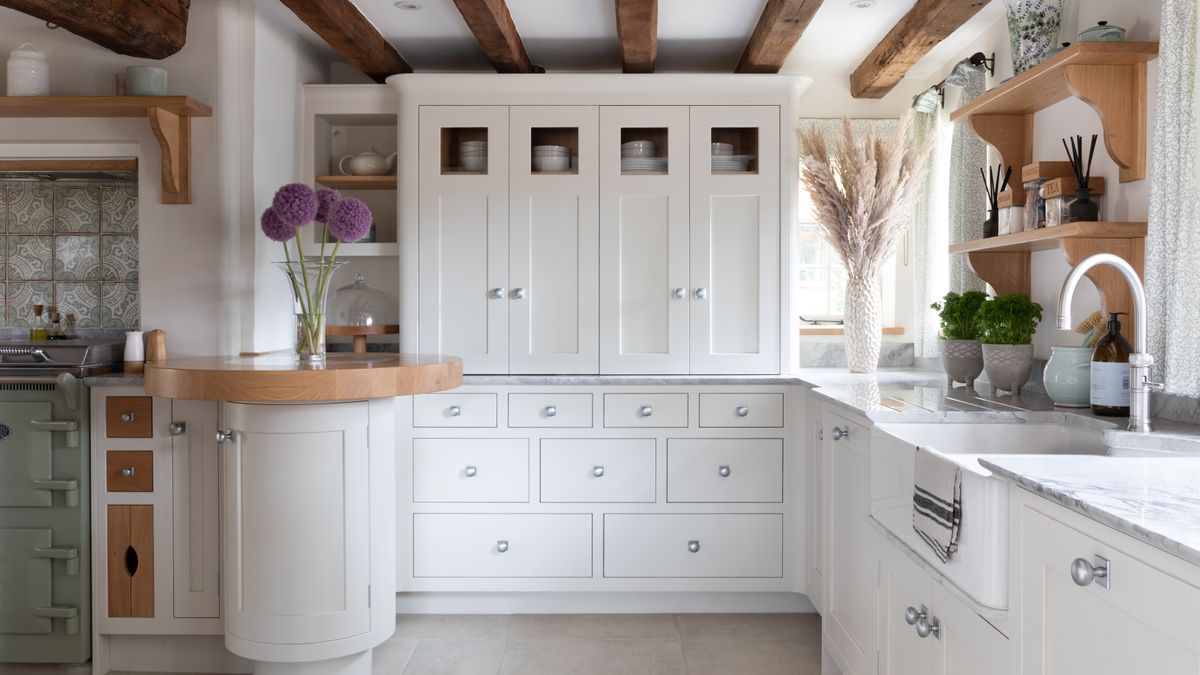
[(937, 501)]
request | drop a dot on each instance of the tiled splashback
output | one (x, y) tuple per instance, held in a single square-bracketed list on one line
[(72, 244)]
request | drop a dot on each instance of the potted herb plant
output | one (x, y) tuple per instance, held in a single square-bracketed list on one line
[(1006, 327), (962, 356)]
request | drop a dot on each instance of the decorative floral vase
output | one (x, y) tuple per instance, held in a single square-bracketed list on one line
[(1068, 376), (1008, 366), (1033, 27), (309, 281), (1084, 208), (962, 360), (863, 323)]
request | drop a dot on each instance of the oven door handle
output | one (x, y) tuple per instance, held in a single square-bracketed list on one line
[(68, 613), (71, 427), (70, 486), (68, 554)]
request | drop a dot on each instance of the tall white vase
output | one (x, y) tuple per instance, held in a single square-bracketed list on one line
[(863, 323)]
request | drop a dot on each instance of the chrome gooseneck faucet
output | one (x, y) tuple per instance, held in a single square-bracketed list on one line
[(1140, 361)]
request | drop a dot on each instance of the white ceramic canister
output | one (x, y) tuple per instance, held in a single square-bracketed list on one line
[(28, 72), (1068, 376), (135, 349)]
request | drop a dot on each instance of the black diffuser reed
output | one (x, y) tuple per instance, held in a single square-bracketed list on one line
[(1083, 208), (994, 184)]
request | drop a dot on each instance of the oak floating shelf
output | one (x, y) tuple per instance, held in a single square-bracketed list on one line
[(1004, 262), (170, 119), (1108, 76), (358, 182)]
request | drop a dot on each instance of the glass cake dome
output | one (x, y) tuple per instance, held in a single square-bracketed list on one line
[(361, 304)]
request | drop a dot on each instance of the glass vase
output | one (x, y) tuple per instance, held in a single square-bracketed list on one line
[(309, 281)]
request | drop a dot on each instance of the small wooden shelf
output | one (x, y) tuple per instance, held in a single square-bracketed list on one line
[(1108, 76), (170, 120), (358, 182), (1004, 262)]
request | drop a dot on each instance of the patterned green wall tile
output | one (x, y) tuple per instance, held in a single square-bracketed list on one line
[(76, 209), (30, 258), (119, 305), (81, 299), (77, 258), (22, 296), (119, 258), (30, 210), (118, 209)]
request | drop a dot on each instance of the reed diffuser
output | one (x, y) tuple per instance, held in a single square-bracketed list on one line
[(1083, 208), (994, 184)]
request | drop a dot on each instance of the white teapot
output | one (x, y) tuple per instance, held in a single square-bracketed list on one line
[(369, 163)]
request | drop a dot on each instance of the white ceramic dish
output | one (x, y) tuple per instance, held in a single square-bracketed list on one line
[(722, 149), (638, 149), (474, 163), (551, 151), (551, 164)]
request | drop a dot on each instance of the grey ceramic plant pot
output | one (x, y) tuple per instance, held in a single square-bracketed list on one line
[(1008, 366), (962, 360)]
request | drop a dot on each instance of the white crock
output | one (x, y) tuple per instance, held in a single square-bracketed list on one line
[(28, 72), (1068, 376)]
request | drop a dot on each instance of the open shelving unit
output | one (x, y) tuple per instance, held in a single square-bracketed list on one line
[(358, 182), (170, 119)]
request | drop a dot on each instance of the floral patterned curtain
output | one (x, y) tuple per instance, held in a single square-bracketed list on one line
[(930, 233), (968, 206)]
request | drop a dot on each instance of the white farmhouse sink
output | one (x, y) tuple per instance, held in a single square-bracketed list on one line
[(980, 566)]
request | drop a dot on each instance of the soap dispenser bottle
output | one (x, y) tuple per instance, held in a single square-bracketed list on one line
[(1110, 371)]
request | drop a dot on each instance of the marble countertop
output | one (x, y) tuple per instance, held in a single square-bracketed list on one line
[(115, 380), (1154, 499)]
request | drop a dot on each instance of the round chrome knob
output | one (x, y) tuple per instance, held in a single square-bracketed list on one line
[(724, 471), (598, 471), (177, 428), (701, 293), (927, 627), (551, 410), (694, 546), (496, 294), (225, 436), (502, 546), (912, 615), (126, 416), (839, 433), (470, 471), (679, 293), (127, 471), (454, 411), (1084, 573), (645, 411), (519, 293), (741, 410)]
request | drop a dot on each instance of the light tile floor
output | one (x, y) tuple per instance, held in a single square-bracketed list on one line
[(586, 644)]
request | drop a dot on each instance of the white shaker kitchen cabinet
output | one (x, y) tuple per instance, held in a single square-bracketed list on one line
[(196, 514), (1142, 616), (644, 279), (463, 297), (554, 245), (849, 619), (903, 588), (735, 242)]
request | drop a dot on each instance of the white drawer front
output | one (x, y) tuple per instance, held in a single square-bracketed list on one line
[(550, 410), (470, 470), (598, 470), (741, 410), (726, 545), (454, 410), (502, 545), (724, 470), (645, 410)]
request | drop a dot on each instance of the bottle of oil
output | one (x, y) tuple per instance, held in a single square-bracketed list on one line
[(1110, 372), (37, 329)]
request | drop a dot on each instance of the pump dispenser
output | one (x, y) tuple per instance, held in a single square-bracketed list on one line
[(1110, 371)]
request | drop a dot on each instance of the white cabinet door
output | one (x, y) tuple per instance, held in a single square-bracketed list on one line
[(644, 244), (818, 525), (735, 242), (849, 621), (463, 237), (554, 295), (1146, 621), (194, 496), (902, 586)]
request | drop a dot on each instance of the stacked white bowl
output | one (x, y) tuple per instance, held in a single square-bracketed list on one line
[(724, 160), (640, 156), (472, 155), (551, 158)]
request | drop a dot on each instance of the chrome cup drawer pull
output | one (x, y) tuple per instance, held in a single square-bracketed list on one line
[(470, 471), (598, 471), (502, 546), (694, 546), (724, 471), (742, 410)]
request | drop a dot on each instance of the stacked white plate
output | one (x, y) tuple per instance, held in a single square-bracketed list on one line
[(644, 164), (551, 158), (731, 162), (473, 155)]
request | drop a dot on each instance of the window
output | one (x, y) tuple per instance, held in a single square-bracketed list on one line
[(821, 286)]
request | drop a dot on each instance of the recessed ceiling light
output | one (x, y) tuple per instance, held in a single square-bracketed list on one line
[(862, 4), (411, 6)]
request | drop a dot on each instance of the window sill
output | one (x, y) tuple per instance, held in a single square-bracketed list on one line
[(840, 330)]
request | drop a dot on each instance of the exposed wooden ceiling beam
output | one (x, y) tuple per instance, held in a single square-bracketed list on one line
[(148, 29), (926, 24), (343, 27), (779, 28), (637, 30), (493, 26)]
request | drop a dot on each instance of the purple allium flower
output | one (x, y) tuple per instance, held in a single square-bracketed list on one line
[(326, 198), (275, 227), (296, 204), (349, 220)]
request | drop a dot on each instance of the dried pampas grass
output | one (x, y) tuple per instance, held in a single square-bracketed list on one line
[(863, 190)]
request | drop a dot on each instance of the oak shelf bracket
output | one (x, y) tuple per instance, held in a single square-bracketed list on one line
[(170, 119)]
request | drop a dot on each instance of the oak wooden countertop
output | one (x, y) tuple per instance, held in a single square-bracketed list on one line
[(277, 378)]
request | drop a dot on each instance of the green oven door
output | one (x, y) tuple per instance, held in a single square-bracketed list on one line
[(25, 455), (25, 582)]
